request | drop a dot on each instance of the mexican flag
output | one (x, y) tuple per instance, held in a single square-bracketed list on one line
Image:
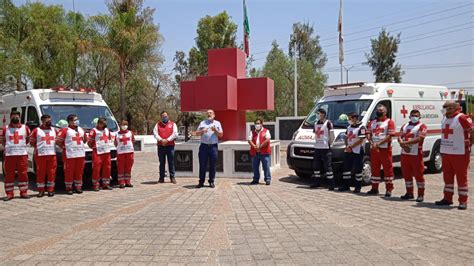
[(246, 31)]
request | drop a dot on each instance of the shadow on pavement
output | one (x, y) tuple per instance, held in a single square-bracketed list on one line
[(432, 205), (149, 183)]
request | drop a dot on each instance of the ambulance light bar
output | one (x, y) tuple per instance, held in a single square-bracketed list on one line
[(346, 86), (62, 89)]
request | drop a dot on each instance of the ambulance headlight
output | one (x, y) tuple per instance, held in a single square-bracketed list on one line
[(340, 138)]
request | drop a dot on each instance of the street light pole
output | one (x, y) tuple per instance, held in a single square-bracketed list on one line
[(296, 83), (347, 73)]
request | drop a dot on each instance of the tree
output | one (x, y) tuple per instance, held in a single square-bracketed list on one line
[(382, 58), (310, 62), (279, 68), (130, 37), (212, 32), (307, 45), (13, 57)]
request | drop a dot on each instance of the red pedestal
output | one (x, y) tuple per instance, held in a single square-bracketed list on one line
[(228, 92)]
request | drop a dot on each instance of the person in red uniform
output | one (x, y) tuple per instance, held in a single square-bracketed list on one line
[(42, 139), (380, 132), (99, 142), (71, 139), (14, 138), (457, 137), (165, 133), (125, 153), (411, 138)]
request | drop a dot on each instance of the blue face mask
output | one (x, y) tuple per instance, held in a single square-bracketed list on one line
[(414, 119), (165, 120)]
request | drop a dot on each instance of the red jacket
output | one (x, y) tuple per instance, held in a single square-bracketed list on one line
[(263, 150)]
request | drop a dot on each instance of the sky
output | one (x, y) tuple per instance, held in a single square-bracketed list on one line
[(437, 36)]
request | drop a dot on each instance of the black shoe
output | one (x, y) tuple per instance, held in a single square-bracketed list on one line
[(388, 194), (50, 194), (407, 196), (161, 180), (122, 186), (96, 189), (128, 185), (78, 191), (8, 198), (69, 192), (462, 206), (211, 185), (331, 185), (373, 192), (317, 185), (40, 194), (173, 180), (343, 188), (420, 199), (357, 190), (200, 185), (254, 182), (107, 188), (443, 202), (267, 183)]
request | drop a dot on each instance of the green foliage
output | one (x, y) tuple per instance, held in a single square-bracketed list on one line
[(382, 58), (212, 32), (115, 52)]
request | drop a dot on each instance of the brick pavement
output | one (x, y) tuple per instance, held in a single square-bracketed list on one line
[(285, 223)]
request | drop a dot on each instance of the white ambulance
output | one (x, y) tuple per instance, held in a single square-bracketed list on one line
[(59, 103), (362, 98)]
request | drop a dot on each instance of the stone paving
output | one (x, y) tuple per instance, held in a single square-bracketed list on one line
[(285, 223)]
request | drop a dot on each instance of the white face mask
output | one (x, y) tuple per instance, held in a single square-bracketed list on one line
[(258, 127), (124, 128), (77, 123)]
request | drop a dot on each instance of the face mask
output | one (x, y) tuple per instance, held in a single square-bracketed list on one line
[(77, 123), (258, 127), (124, 128), (15, 120), (165, 120), (414, 119), (443, 111), (379, 114), (48, 124)]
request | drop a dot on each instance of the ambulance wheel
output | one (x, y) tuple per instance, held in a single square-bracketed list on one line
[(435, 165), (366, 171), (303, 174)]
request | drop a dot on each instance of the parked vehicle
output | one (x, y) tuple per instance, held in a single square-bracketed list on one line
[(400, 99)]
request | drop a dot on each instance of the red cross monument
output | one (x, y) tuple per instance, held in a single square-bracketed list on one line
[(227, 91)]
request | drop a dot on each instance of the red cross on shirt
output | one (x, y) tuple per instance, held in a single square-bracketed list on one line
[(16, 138), (378, 130), (104, 138), (77, 138), (404, 111), (124, 140), (350, 136), (319, 132), (47, 138), (447, 131)]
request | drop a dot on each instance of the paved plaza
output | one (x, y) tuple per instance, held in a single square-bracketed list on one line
[(285, 223)]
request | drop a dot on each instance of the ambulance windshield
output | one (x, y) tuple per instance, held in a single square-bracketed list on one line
[(87, 114), (337, 112)]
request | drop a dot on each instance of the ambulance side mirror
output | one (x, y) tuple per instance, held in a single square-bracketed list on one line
[(32, 124)]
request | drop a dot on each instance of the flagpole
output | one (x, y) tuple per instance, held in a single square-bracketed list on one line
[(341, 42), (296, 82)]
